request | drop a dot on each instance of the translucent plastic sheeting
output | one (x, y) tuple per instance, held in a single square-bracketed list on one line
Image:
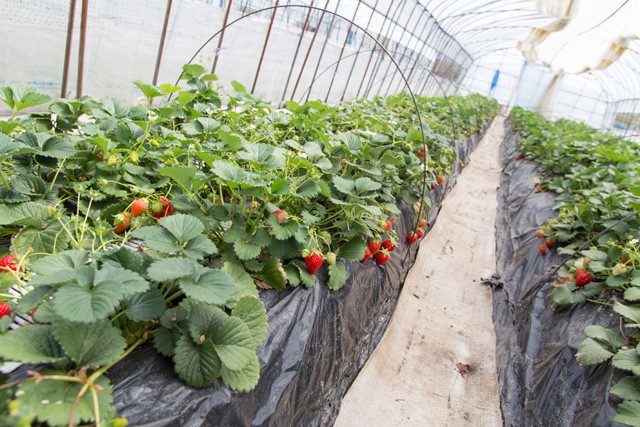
[(541, 383), (317, 342)]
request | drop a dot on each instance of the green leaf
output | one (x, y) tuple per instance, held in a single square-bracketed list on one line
[(183, 227), (630, 312), (204, 321), (238, 87), (309, 280), (66, 262), (242, 283), (168, 269), (234, 344), (353, 250), (90, 345), (186, 97), (48, 240), (147, 306), (562, 295), (165, 341), (343, 185), (129, 282), (337, 276), (245, 379), (628, 412), (31, 344), (193, 70), (627, 388), (86, 305), (604, 334), (246, 249), (22, 213), (628, 360), (199, 247), (282, 231), (280, 187), (592, 352), (208, 285), (595, 255), (196, 365), (149, 91), (632, 294), (135, 261), (183, 176), (57, 148), (53, 401), (366, 187), (273, 274), (309, 189), (252, 312)]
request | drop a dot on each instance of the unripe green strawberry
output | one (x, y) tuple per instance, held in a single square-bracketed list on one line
[(331, 258), (305, 253), (134, 157), (112, 160)]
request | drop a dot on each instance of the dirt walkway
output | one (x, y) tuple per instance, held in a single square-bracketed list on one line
[(436, 364)]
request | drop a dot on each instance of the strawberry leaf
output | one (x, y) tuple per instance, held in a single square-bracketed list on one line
[(90, 345), (211, 286), (233, 343), (197, 365), (87, 304), (168, 269), (282, 231), (53, 401), (147, 306), (337, 276), (630, 312), (252, 312), (204, 321), (31, 344), (246, 249), (353, 250), (628, 360), (627, 388), (165, 341), (244, 379), (242, 283), (50, 239), (183, 227), (273, 274), (592, 352), (131, 283), (628, 412)]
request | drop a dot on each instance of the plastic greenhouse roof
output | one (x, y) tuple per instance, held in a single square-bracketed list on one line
[(491, 27)]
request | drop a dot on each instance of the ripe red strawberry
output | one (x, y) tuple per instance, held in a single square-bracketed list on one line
[(162, 208), (412, 238), (367, 255), (381, 256), (100, 156), (548, 244), (8, 262), (542, 250), (519, 157), (421, 153), (440, 179), (540, 234), (422, 223), (387, 226), (389, 245), (419, 234), (433, 186), (5, 310), (281, 215), (579, 271), (583, 279), (138, 207), (373, 246), (624, 260), (122, 222), (313, 262)]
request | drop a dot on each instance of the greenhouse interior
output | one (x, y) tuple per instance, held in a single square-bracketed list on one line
[(320, 212)]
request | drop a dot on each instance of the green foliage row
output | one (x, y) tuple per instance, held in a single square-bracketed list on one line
[(250, 188), (596, 177)]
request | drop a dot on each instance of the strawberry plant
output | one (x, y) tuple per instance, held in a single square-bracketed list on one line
[(597, 183), (218, 192)]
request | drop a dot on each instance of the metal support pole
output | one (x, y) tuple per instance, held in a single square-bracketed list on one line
[(162, 39), (224, 25), (264, 48), (295, 55), (346, 38), (83, 37), (67, 49), (313, 39)]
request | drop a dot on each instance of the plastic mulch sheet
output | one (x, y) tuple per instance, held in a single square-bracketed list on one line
[(541, 383), (317, 342)]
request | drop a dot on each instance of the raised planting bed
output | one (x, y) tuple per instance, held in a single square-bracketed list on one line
[(158, 224)]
